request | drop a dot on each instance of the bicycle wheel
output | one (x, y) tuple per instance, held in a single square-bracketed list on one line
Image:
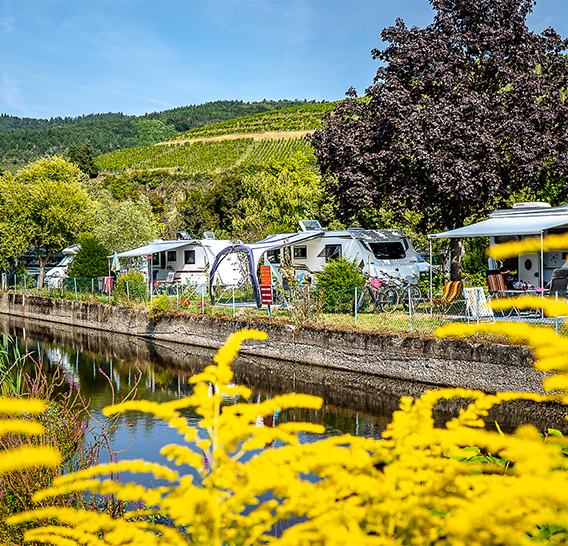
[(387, 301), (415, 295), (363, 299)]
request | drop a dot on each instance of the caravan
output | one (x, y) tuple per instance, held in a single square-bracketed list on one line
[(185, 260), (375, 251)]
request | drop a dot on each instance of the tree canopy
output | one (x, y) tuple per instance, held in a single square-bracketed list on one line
[(124, 225), (47, 207), (461, 114)]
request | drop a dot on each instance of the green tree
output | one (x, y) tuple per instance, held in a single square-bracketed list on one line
[(50, 203), (13, 233), (124, 225), (83, 156), (277, 198), (90, 260)]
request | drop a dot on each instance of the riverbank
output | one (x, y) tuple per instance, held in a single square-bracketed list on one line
[(486, 366)]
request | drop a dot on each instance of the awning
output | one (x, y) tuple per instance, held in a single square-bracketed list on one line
[(155, 248), (523, 224), (255, 251)]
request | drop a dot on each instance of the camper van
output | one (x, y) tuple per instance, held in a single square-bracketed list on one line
[(54, 277), (534, 219), (375, 251), (185, 260)]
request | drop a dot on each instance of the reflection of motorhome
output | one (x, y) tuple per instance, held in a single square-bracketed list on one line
[(54, 277), (187, 261), (375, 251), (523, 220)]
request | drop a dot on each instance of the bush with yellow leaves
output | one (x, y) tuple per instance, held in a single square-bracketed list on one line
[(458, 485)]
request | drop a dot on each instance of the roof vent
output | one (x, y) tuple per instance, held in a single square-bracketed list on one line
[(310, 225), (534, 205), (183, 236), (208, 235)]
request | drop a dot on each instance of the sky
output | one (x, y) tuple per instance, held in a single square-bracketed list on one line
[(76, 57)]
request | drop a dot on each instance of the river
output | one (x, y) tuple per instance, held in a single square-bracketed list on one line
[(106, 365)]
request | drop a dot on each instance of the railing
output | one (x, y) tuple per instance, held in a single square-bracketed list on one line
[(333, 307)]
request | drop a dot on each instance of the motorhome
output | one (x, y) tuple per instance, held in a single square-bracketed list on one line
[(375, 251), (185, 260), (54, 277), (522, 221)]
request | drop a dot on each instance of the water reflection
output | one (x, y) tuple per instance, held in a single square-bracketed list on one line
[(107, 365)]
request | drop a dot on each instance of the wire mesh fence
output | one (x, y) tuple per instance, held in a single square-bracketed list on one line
[(390, 309)]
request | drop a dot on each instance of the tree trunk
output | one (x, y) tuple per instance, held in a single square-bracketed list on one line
[(42, 264), (455, 259)]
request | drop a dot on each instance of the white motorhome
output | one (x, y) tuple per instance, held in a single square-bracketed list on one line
[(54, 277), (523, 220), (186, 260), (375, 251)]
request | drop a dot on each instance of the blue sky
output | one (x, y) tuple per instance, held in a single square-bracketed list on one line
[(68, 58)]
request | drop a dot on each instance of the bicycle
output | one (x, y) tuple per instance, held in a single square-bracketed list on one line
[(383, 297), (407, 290)]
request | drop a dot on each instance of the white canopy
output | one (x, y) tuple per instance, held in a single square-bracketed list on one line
[(155, 248), (506, 224)]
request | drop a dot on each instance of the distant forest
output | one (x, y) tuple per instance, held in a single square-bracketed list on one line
[(26, 139)]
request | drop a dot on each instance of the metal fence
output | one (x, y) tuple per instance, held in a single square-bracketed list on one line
[(409, 310)]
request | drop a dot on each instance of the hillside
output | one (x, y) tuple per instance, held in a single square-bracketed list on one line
[(26, 139), (242, 142)]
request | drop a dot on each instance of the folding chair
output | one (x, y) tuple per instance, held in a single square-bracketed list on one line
[(476, 305), (496, 284), (452, 290), (558, 285)]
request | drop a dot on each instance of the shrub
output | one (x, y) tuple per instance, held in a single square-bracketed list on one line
[(91, 259), (132, 285), (160, 305), (341, 272)]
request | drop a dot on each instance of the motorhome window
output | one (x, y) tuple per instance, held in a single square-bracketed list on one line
[(388, 251), (301, 252), (172, 256), (189, 257), (330, 252), (273, 256), (156, 260)]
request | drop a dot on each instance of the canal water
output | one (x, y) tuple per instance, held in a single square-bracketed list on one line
[(105, 366)]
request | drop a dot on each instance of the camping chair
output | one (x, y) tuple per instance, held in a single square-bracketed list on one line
[(496, 284), (558, 286), (451, 292), (476, 305)]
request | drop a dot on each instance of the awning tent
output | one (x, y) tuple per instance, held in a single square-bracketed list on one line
[(525, 220), (523, 224), (255, 251)]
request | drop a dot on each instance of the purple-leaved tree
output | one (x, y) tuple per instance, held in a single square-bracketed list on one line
[(471, 108)]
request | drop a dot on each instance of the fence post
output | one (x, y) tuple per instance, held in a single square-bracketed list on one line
[(203, 299), (37, 285), (410, 308), (15, 283), (355, 307), (25, 284), (177, 296), (233, 301), (309, 317), (127, 291), (93, 287), (75, 286)]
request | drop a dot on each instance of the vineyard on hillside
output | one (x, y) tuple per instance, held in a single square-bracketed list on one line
[(300, 118), (203, 156)]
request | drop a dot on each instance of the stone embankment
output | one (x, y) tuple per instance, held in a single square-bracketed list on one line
[(486, 366)]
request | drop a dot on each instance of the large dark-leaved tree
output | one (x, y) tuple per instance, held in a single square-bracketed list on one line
[(465, 111)]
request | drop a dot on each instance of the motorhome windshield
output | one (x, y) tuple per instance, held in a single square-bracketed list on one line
[(66, 260), (388, 251)]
